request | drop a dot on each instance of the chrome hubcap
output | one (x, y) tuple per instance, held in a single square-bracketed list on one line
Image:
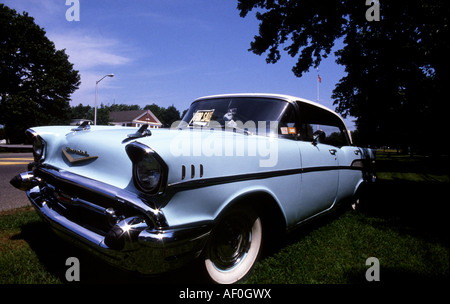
[(230, 243)]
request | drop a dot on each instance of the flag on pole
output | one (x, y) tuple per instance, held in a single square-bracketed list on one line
[(319, 80)]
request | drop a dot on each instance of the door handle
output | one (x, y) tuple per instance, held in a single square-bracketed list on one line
[(332, 151)]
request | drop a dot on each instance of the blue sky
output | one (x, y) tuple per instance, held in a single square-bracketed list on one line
[(170, 52)]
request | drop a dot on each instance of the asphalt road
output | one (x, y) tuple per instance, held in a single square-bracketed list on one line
[(12, 164)]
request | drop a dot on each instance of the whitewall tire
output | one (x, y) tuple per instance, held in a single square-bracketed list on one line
[(234, 246)]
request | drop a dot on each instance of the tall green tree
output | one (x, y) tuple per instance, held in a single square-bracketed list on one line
[(396, 68), (169, 116), (36, 80), (396, 74), (166, 115)]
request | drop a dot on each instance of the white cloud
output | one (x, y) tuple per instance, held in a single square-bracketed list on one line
[(87, 52)]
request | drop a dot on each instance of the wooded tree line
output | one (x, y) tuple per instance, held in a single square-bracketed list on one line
[(166, 115)]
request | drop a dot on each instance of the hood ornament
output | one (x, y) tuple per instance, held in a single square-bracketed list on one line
[(142, 132), (84, 126)]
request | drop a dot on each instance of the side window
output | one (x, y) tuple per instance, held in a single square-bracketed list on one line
[(288, 125), (334, 136), (313, 118)]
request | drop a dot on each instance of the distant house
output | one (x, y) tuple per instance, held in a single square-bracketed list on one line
[(135, 118)]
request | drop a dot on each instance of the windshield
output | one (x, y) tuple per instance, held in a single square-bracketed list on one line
[(247, 114)]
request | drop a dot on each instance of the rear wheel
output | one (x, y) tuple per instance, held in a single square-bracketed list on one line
[(356, 203), (234, 246), (361, 198)]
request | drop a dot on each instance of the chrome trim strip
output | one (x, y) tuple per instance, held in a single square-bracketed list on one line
[(85, 204), (207, 182), (73, 160), (170, 236)]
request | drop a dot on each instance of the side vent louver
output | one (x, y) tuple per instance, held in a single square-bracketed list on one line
[(183, 171)]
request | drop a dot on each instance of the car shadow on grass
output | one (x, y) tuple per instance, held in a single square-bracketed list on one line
[(414, 209), (411, 207)]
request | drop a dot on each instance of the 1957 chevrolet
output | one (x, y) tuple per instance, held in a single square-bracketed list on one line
[(214, 186)]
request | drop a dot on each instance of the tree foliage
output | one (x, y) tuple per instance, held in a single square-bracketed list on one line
[(36, 80), (395, 67), (311, 27)]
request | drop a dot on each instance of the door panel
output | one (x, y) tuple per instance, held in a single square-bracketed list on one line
[(349, 179), (319, 182)]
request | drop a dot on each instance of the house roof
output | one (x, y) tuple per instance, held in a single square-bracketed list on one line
[(136, 116)]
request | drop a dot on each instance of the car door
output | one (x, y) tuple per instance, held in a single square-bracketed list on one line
[(319, 179), (321, 134)]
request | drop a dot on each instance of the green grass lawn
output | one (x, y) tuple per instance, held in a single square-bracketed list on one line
[(403, 224)]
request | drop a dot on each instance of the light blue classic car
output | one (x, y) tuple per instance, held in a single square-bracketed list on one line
[(237, 169)]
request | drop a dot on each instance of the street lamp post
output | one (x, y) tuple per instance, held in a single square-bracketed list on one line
[(96, 89)]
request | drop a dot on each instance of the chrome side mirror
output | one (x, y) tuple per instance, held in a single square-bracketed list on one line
[(318, 137)]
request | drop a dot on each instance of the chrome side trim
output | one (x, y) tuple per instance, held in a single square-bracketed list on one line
[(207, 182)]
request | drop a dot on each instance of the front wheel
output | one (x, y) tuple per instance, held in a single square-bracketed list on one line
[(234, 246)]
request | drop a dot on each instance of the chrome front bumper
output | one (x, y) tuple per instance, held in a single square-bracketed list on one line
[(119, 226)]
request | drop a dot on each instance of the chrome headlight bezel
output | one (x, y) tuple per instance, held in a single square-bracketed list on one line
[(39, 145), (149, 170)]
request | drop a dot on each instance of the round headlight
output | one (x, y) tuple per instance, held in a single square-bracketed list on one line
[(147, 172)]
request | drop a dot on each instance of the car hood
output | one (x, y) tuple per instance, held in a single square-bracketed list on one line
[(98, 153)]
